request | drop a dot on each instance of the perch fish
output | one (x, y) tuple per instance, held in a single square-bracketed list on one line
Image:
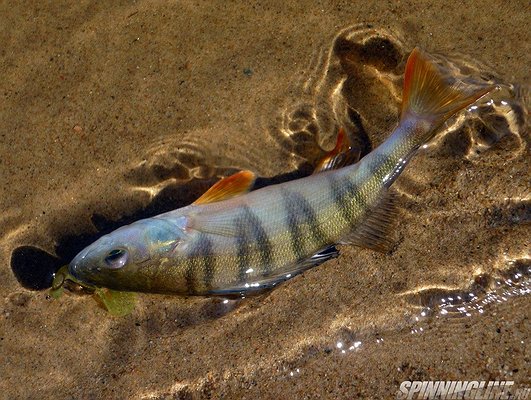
[(236, 242)]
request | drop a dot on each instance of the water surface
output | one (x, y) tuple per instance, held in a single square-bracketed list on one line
[(113, 112)]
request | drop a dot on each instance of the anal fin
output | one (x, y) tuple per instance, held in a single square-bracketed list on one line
[(375, 232)]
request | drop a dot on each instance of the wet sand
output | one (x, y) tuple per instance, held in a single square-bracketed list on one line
[(113, 112)]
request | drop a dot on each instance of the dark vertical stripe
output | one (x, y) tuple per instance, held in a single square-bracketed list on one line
[(243, 251), (294, 229), (346, 195), (208, 263), (261, 240), (189, 276), (381, 165), (308, 216), (200, 258), (252, 235), (373, 164)]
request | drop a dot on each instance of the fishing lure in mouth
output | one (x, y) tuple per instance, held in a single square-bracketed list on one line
[(236, 242)]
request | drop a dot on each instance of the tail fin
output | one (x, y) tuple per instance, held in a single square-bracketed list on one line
[(429, 97)]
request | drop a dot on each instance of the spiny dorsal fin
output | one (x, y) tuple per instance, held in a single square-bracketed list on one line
[(341, 155), (376, 230), (231, 186)]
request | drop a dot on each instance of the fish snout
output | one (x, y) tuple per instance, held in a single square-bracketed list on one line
[(74, 268), (79, 264)]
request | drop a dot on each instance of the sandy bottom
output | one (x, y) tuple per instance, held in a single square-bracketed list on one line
[(115, 112)]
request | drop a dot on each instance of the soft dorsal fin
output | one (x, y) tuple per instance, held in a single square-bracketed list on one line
[(376, 230), (228, 187), (341, 155)]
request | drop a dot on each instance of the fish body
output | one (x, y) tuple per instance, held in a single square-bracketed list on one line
[(231, 242)]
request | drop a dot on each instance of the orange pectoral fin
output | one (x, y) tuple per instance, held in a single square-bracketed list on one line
[(231, 186), (341, 155)]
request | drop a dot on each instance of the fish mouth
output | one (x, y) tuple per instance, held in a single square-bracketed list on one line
[(75, 268), (81, 274)]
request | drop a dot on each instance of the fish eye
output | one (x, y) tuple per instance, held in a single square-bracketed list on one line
[(116, 258)]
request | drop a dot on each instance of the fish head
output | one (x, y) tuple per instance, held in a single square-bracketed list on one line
[(129, 258)]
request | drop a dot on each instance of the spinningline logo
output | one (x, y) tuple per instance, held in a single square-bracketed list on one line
[(466, 390)]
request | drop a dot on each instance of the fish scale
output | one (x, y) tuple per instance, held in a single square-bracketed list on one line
[(235, 242)]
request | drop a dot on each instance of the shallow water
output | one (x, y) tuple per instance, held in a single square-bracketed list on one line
[(118, 112)]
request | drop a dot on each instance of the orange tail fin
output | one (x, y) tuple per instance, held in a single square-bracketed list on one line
[(428, 96)]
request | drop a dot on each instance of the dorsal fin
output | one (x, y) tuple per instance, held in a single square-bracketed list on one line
[(376, 230), (231, 186), (341, 155)]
